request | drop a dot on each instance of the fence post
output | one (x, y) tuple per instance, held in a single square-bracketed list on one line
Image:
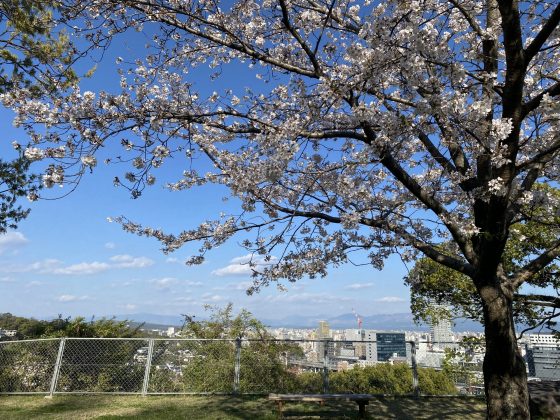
[(148, 367), (56, 372), (237, 365), (415, 387), (325, 366)]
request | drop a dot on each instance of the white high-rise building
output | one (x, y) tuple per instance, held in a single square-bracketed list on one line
[(371, 345), (441, 333)]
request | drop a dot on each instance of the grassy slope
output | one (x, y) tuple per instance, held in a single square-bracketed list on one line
[(218, 407)]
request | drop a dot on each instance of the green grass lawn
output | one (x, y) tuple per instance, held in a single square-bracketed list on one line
[(220, 407)]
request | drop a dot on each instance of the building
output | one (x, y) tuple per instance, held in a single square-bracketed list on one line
[(389, 345), (381, 346), (543, 356), (543, 339), (371, 345), (8, 333), (323, 331), (441, 334), (325, 347)]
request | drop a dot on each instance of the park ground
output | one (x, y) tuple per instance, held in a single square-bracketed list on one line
[(226, 407)]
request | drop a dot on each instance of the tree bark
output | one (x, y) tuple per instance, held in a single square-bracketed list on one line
[(505, 376)]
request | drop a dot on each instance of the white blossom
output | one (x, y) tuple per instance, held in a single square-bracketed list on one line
[(33, 153), (89, 161), (160, 152)]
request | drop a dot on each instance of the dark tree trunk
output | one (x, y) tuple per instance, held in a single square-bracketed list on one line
[(505, 377)]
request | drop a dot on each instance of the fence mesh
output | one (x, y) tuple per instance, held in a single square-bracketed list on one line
[(27, 366), (193, 366), (102, 365)]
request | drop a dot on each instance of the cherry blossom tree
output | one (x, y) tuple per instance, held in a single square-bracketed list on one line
[(374, 126)]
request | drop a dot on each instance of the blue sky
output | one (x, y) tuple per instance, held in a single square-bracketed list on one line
[(66, 258)]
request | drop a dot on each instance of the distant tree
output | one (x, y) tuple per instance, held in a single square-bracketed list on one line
[(434, 382), (96, 328), (310, 383), (385, 378), (25, 327), (88, 365), (461, 364), (211, 365), (29, 328), (381, 126)]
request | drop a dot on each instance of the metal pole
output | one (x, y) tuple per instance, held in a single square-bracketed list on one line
[(237, 366), (148, 367), (415, 387), (57, 365), (326, 367)]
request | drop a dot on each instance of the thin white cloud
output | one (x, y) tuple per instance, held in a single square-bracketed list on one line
[(129, 306), (110, 245), (233, 270), (359, 286), (11, 241), (71, 298), (390, 299), (53, 266), (167, 282), (243, 266), (128, 261), (82, 268), (209, 297), (44, 266), (244, 285), (172, 260), (245, 259), (7, 280), (34, 283), (192, 283), (308, 298), (183, 299), (164, 283)]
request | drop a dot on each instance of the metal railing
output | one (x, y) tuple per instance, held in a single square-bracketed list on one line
[(195, 366)]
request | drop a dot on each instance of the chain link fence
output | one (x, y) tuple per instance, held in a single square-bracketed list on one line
[(193, 366)]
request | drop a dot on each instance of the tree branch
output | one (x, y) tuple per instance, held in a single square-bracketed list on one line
[(540, 158), (515, 62), (236, 46), (298, 38), (427, 249), (472, 21), (435, 153), (534, 103), (543, 321), (533, 267), (541, 300), (534, 47)]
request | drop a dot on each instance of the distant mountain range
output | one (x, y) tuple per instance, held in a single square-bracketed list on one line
[(400, 321)]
